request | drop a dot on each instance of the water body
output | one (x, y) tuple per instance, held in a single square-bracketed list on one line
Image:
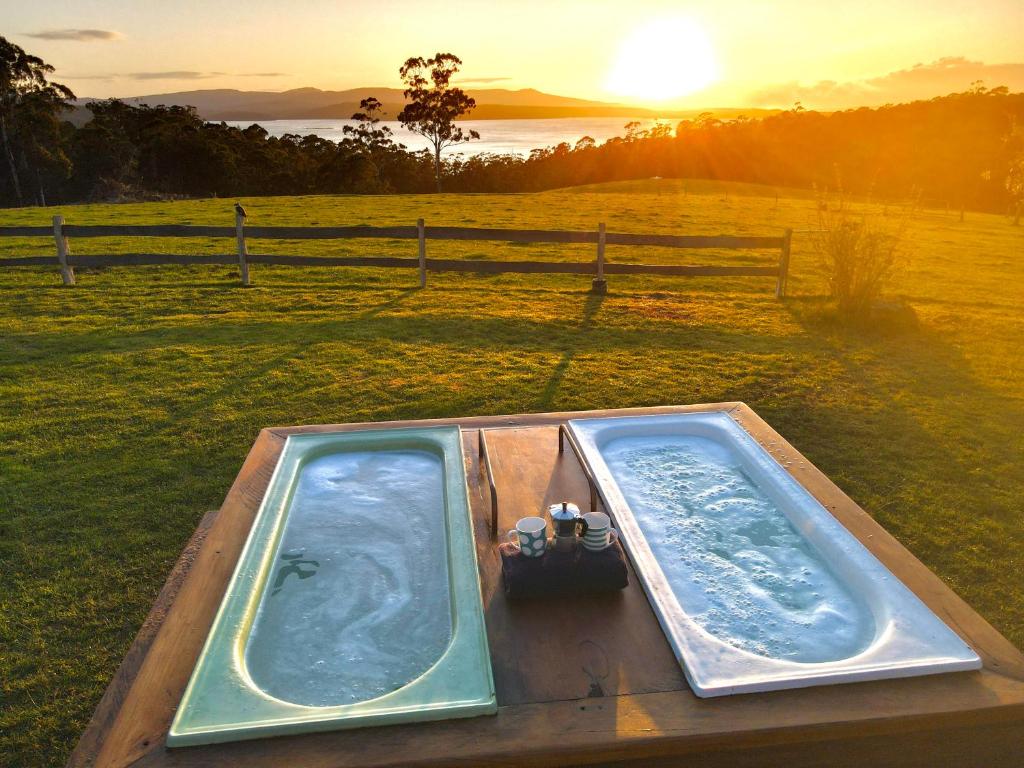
[(496, 136), (357, 603), (735, 563)]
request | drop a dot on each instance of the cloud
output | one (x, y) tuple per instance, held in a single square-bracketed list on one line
[(85, 77), (950, 74), (174, 74), (77, 35), (187, 74), (468, 80)]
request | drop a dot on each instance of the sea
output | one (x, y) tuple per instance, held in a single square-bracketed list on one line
[(496, 136)]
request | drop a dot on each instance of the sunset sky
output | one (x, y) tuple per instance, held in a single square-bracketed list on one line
[(644, 52)]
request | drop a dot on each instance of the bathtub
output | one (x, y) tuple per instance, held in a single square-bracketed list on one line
[(756, 585), (356, 599)]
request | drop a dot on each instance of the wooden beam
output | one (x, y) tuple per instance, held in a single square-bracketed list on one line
[(149, 259), (333, 261), (523, 267), (599, 284), (28, 261), (780, 285), (67, 274), (422, 236), (688, 270), (146, 230), (26, 231), (331, 233), (695, 241), (511, 235), (243, 264)]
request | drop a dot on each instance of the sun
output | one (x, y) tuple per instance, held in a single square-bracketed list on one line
[(664, 59)]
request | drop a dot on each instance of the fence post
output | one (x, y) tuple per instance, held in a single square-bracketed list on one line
[(599, 284), (243, 254), (67, 274), (780, 285), (421, 233)]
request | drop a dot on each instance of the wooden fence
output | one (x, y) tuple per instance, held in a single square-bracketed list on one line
[(599, 268)]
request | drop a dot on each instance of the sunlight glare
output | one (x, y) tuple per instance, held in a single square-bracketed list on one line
[(664, 59)]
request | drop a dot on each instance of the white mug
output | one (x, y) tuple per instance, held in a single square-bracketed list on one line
[(600, 535), (530, 534)]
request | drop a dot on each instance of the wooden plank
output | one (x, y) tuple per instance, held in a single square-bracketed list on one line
[(26, 231), (780, 285), (440, 265), (422, 252), (334, 261), (580, 647), (695, 241), (511, 235), (499, 267), (243, 264), (403, 233), (599, 284), (150, 259), (27, 261), (805, 727), (113, 697), (331, 233), (67, 274), (146, 230), (616, 268), (631, 730)]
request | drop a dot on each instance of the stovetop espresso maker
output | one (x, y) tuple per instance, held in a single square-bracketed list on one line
[(568, 525)]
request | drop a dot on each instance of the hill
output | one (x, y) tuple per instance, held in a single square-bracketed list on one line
[(128, 403), (304, 103)]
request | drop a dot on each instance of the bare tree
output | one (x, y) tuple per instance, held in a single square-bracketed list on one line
[(434, 104)]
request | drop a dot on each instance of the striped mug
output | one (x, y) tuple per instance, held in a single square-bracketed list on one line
[(530, 534), (600, 534)]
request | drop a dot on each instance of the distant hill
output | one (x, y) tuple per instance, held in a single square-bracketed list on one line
[(305, 103)]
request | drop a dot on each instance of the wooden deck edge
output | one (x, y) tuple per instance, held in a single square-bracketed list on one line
[(88, 747), (1006, 708), (505, 420), (998, 654)]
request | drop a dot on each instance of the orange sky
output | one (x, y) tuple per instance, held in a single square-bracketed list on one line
[(739, 53)]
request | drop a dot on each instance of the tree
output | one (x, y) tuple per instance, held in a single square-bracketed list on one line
[(1014, 183), (29, 108), (434, 104)]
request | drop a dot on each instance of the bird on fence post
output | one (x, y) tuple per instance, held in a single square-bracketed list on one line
[(240, 211)]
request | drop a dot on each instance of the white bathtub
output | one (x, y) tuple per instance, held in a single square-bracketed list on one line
[(756, 585)]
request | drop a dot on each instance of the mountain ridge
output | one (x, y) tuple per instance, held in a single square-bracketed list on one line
[(312, 103)]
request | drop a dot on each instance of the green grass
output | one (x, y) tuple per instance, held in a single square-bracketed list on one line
[(128, 403)]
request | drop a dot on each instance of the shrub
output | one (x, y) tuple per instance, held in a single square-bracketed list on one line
[(859, 252)]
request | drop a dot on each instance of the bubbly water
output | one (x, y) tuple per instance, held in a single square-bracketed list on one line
[(357, 602), (736, 564)]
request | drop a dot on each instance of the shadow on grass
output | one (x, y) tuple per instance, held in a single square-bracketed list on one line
[(922, 444), (590, 310)]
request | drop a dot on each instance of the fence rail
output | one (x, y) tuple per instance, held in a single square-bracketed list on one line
[(241, 233)]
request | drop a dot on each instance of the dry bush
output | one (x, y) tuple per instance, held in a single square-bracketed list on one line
[(859, 251)]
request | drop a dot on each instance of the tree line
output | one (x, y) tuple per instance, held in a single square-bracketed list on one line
[(964, 150)]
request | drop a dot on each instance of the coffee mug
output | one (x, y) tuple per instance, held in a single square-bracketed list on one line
[(531, 535), (600, 535)]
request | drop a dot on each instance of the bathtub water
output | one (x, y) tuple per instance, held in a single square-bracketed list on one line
[(384, 538), (756, 585), (735, 562), (356, 599)]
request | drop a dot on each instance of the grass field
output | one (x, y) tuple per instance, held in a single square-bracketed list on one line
[(128, 403)]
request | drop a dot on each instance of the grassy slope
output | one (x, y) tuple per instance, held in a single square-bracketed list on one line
[(128, 403)]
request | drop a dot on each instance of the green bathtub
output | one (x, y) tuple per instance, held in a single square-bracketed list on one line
[(356, 600)]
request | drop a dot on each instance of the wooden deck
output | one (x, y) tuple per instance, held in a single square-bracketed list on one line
[(594, 683)]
